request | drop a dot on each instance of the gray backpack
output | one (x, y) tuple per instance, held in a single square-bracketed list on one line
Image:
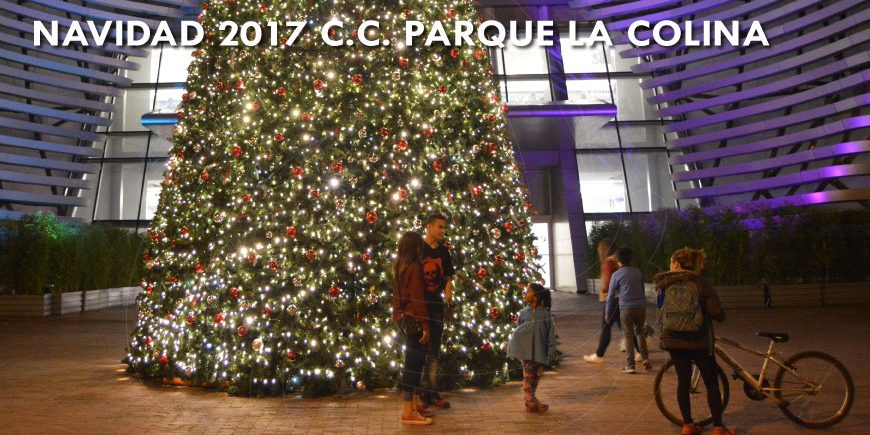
[(681, 311)]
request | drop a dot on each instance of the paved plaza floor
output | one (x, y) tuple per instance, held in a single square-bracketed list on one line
[(63, 375)]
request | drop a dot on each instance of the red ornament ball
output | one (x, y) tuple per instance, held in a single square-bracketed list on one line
[(281, 91), (305, 117), (384, 132), (357, 317), (403, 194), (476, 190), (252, 257), (436, 166), (520, 256), (242, 331), (310, 255), (442, 89), (403, 63), (237, 151), (263, 9), (451, 13), (148, 341), (291, 232), (402, 145), (235, 292), (494, 312), (482, 273), (366, 257), (428, 132), (191, 319), (199, 268), (279, 137), (273, 265), (478, 54), (219, 318), (454, 53), (204, 176), (334, 291), (149, 289), (298, 171), (292, 355), (267, 311), (256, 105), (514, 318), (318, 84), (314, 193), (357, 79), (371, 217), (337, 167), (246, 198), (508, 226), (240, 85), (498, 259), (486, 347), (163, 360)]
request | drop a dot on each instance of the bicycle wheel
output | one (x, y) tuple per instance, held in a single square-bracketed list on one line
[(665, 391), (818, 394)]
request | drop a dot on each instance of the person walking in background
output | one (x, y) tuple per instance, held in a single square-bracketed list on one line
[(409, 309), (534, 342), (608, 265), (689, 304), (627, 293)]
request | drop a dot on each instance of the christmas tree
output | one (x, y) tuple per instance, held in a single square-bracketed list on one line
[(295, 168)]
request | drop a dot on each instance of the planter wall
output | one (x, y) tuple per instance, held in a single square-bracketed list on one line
[(95, 300), (25, 305), (66, 303)]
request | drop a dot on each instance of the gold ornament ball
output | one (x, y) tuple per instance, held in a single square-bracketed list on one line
[(292, 310), (360, 385), (339, 363), (257, 344)]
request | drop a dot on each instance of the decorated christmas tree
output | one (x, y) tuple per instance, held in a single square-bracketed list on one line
[(295, 168)]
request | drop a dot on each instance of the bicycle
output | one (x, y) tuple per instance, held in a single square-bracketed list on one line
[(803, 387)]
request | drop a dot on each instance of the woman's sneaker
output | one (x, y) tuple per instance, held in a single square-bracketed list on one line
[(593, 358), (647, 365), (629, 370), (691, 429), (416, 418)]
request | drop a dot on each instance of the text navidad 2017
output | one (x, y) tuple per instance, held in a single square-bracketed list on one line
[(459, 33)]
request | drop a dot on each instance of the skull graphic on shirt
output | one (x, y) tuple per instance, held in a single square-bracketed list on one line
[(433, 273)]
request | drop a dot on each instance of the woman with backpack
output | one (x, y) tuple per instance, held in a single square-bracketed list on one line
[(688, 305)]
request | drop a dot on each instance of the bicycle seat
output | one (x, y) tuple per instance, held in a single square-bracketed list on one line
[(777, 337)]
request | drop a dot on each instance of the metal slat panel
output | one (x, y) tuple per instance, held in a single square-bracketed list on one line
[(50, 147), (55, 98), (52, 130), (93, 12), (73, 85), (36, 162), (44, 180), (62, 23), (77, 55), (29, 198), (796, 179), (33, 109), (64, 68)]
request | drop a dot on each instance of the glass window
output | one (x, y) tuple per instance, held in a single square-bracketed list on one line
[(588, 90), (634, 136), (127, 146), (531, 59), (120, 189), (602, 184), (168, 99), (542, 243), (129, 108), (159, 147), (631, 104), (563, 257), (173, 65), (582, 58), (153, 187), (649, 182), (527, 91), (588, 135), (147, 72)]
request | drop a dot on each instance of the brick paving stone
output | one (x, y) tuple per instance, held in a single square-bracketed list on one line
[(63, 375)]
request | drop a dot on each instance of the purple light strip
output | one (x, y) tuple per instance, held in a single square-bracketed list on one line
[(545, 113), (798, 178)]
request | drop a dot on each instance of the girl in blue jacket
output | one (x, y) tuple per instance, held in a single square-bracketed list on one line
[(534, 342)]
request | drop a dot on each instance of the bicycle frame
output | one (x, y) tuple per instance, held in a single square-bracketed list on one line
[(758, 384)]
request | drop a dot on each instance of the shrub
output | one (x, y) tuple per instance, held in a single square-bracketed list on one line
[(39, 252)]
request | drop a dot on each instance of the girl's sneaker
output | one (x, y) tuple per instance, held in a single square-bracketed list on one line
[(417, 419), (723, 431), (691, 429), (537, 407)]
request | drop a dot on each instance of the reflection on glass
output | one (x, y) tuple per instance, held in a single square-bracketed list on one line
[(173, 65), (648, 181), (531, 59), (602, 185), (527, 91), (541, 232), (589, 90)]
